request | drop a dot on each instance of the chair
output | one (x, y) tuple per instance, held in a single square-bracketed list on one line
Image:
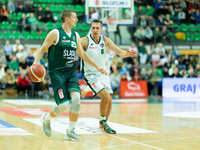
[(15, 35), (13, 25), (49, 25), (7, 34), (25, 34), (61, 7), (183, 25), (5, 25), (53, 7)]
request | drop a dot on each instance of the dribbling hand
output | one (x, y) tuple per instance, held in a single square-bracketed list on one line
[(102, 70), (132, 52)]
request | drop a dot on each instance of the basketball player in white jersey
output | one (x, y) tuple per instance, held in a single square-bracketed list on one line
[(95, 45)]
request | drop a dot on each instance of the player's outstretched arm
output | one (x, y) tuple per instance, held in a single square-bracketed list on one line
[(86, 58), (118, 51), (50, 39)]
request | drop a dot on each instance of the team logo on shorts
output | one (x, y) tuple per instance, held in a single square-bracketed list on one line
[(94, 85), (60, 92)]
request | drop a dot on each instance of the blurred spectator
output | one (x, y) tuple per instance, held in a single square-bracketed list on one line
[(197, 16), (48, 17), (176, 73), (23, 24), (9, 79), (168, 64), (2, 53), (184, 73), (160, 7), (128, 13), (29, 5), (17, 46), (148, 11), (182, 16), (4, 13), (40, 14), (2, 74), (155, 58), (23, 83), (26, 51), (139, 12), (1, 45), (117, 33), (193, 61), (157, 35), (32, 20), (30, 59), (165, 34), (143, 74), (11, 6), (191, 73), (3, 61), (148, 35), (186, 61), (167, 20), (160, 20), (23, 64), (19, 53), (115, 80), (160, 49), (149, 78), (191, 5), (142, 53), (190, 17), (197, 70), (14, 65), (20, 6), (181, 65), (139, 35), (136, 77), (91, 11), (8, 49), (177, 52), (44, 89), (183, 4), (151, 21), (150, 51), (171, 70), (142, 21)]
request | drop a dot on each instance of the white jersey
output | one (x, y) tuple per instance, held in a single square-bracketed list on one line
[(109, 58), (96, 51)]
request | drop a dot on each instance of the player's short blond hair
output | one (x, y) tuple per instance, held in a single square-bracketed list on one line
[(66, 13), (97, 21)]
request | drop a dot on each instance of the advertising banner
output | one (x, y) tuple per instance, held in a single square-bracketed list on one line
[(110, 3), (181, 87), (133, 89)]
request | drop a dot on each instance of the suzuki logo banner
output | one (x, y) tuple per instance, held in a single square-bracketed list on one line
[(133, 89), (181, 87), (110, 3)]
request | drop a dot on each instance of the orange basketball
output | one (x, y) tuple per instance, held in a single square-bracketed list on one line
[(37, 73)]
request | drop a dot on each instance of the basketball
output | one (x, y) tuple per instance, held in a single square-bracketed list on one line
[(37, 73)]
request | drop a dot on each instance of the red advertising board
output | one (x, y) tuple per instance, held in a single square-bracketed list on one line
[(133, 89)]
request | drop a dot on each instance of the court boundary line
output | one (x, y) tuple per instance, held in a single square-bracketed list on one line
[(9, 105), (132, 142)]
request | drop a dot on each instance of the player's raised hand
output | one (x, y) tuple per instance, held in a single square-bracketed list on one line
[(102, 70), (132, 52)]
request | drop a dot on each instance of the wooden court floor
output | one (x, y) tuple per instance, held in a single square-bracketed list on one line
[(142, 124)]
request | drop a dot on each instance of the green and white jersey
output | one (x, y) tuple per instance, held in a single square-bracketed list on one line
[(96, 51), (61, 54)]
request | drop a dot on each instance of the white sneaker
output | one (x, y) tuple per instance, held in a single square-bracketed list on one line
[(46, 128), (71, 135)]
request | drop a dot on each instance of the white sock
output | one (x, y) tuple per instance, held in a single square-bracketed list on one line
[(71, 125), (48, 117), (87, 89), (102, 117)]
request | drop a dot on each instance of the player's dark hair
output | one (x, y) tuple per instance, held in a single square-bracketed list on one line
[(97, 21), (66, 13)]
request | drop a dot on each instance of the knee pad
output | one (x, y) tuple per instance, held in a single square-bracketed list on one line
[(58, 109), (75, 106)]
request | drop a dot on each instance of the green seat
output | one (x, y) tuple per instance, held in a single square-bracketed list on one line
[(193, 29), (44, 6), (7, 34), (13, 16), (58, 24), (16, 34), (191, 25), (196, 38), (79, 8), (13, 25), (183, 25), (53, 8), (5, 25), (62, 7), (34, 33), (49, 25), (183, 29), (70, 6), (187, 34), (188, 38), (175, 25), (25, 34)]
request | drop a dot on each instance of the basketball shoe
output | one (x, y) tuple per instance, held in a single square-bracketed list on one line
[(71, 135), (113, 131), (46, 128), (104, 127)]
